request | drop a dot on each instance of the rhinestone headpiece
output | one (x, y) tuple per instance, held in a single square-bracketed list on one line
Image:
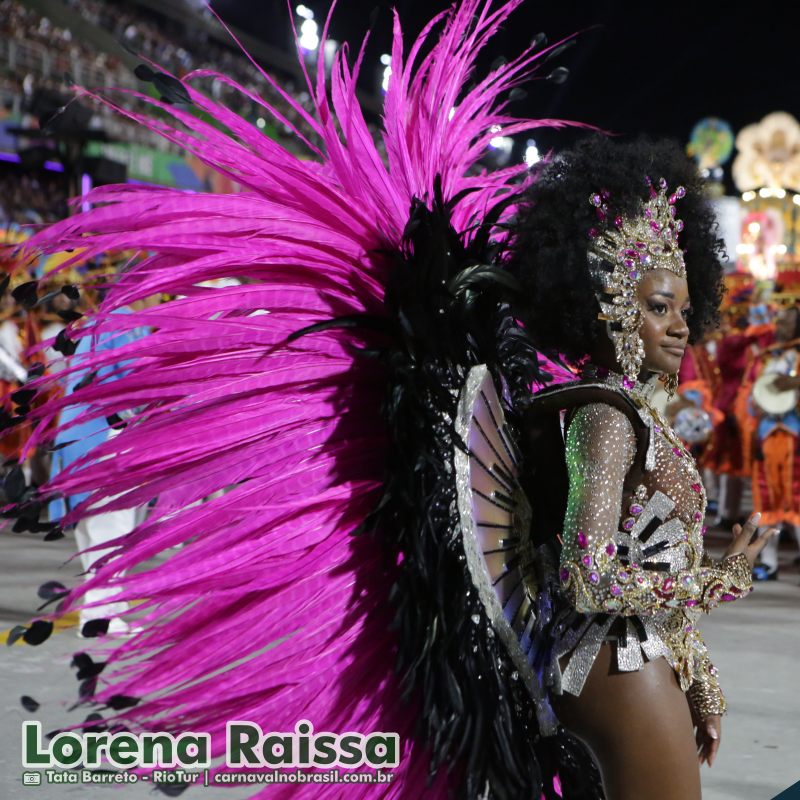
[(621, 251)]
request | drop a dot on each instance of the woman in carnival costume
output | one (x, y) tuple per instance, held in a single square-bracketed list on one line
[(362, 448), (623, 234)]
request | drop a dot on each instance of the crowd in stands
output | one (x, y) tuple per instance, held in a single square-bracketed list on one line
[(183, 48), (36, 55), (54, 52), (29, 198)]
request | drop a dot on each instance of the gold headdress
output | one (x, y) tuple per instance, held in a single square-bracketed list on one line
[(621, 251)]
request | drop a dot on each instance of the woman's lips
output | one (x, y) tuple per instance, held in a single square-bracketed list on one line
[(676, 351)]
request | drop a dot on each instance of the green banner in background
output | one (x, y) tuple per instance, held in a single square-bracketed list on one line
[(152, 166)]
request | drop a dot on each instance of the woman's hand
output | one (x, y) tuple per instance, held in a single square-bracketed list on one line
[(707, 733), (743, 541)]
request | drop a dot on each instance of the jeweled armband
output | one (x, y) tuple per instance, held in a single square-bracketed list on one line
[(705, 694), (600, 582)]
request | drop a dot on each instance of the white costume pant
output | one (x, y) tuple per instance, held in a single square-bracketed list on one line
[(97, 530)]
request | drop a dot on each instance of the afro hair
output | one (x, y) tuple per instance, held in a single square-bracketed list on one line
[(548, 253)]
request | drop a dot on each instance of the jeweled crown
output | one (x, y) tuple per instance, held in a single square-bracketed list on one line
[(641, 243), (621, 251)]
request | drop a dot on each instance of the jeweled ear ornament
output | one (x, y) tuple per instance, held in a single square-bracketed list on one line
[(670, 384)]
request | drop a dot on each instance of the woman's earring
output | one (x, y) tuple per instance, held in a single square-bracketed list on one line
[(670, 384)]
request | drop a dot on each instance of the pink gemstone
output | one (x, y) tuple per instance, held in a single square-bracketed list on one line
[(676, 451), (601, 215), (595, 200), (618, 221), (662, 184), (703, 530), (727, 597), (640, 579), (633, 274), (627, 383), (655, 226), (672, 199), (593, 233), (587, 561), (648, 213), (641, 245), (629, 523), (582, 541), (605, 194), (611, 548), (594, 577), (629, 262), (697, 487), (624, 576), (636, 509), (691, 603), (697, 516), (689, 628), (679, 224), (668, 584), (680, 192), (616, 590), (564, 575)]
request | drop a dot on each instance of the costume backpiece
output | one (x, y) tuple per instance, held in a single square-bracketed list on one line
[(302, 464)]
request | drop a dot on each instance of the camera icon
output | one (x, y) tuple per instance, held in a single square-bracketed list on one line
[(31, 778)]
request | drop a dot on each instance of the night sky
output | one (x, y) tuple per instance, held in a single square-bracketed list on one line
[(648, 67)]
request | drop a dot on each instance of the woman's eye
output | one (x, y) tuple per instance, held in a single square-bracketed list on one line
[(658, 308), (686, 313)]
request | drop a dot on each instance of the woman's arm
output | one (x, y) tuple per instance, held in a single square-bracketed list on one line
[(600, 450), (705, 694)]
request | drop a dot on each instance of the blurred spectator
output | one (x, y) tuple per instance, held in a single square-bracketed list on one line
[(28, 198), (179, 49)]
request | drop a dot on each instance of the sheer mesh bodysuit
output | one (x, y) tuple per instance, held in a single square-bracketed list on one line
[(632, 567)]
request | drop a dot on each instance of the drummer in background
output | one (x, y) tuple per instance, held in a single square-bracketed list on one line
[(693, 415), (776, 446)]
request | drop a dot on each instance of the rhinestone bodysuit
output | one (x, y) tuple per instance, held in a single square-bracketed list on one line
[(632, 567)]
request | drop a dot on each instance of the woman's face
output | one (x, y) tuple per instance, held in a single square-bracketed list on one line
[(664, 299)]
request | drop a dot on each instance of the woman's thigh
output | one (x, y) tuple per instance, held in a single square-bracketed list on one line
[(639, 728)]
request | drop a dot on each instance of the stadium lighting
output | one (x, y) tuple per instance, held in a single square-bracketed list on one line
[(331, 46), (86, 187), (503, 143), (309, 34), (386, 60), (531, 153)]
